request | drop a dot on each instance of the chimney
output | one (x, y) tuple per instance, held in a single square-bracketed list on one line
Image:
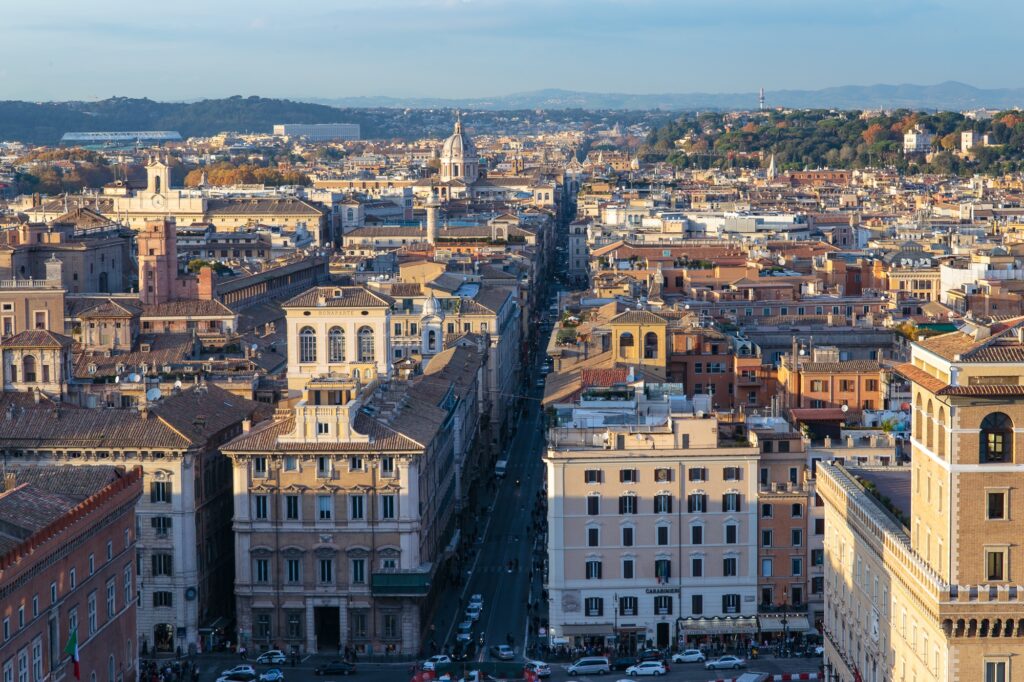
[(207, 287), (246, 425), (10, 481)]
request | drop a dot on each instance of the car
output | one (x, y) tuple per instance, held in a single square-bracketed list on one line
[(272, 657), (624, 662), (725, 663), (336, 668), (465, 631), (596, 665), (463, 650), (650, 655), (477, 599), (647, 668), (503, 652), (688, 656), (245, 668), (434, 661), (819, 650), (473, 612), (539, 668), (238, 677), (272, 675)]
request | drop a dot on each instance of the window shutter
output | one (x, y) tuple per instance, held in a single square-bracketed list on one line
[(622, 505), (668, 499), (739, 502), (152, 492), (152, 522), (622, 475)]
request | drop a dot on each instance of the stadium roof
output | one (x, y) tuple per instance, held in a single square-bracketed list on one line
[(124, 136)]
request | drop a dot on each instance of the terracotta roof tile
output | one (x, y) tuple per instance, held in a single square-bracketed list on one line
[(339, 297), (920, 377)]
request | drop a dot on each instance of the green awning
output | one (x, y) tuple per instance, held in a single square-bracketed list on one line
[(401, 584)]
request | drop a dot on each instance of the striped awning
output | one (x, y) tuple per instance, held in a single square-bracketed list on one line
[(719, 626)]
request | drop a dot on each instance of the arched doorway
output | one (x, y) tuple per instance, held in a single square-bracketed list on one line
[(163, 637)]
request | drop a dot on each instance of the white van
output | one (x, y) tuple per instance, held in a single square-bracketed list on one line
[(500, 467), (590, 665)]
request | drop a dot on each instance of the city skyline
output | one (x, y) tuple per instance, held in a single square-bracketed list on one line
[(407, 48)]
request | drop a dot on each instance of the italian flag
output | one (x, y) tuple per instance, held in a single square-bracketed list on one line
[(71, 649)]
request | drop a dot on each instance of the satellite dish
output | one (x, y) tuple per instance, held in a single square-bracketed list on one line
[(153, 394), (255, 347), (177, 384), (845, 408), (134, 378), (117, 380)]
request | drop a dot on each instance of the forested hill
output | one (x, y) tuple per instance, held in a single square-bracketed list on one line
[(45, 122)]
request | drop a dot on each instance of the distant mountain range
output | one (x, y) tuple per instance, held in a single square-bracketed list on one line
[(946, 96)]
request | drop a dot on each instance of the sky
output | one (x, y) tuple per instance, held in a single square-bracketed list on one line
[(192, 49)]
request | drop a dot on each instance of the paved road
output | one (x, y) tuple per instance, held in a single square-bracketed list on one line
[(690, 672)]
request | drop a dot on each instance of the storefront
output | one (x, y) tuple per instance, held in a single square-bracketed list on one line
[(783, 627), (717, 635), (592, 637)]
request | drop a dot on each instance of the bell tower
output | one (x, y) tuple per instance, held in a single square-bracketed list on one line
[(158, 177)]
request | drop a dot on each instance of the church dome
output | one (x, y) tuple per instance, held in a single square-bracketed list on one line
[(458, 145)]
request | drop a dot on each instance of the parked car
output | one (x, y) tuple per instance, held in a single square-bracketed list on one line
[(590, 665), (725, 663), (688, 656), (503, 652), (272, 657), (539, 668), (272, 675), (624, 662), (651, 655), (336, 668), (647, 668), (246, 668), (432, 662)]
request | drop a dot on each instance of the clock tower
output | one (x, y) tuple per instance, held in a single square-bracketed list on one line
[(158, 177)]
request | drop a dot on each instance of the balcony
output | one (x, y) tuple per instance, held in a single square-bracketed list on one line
[(400, 584)]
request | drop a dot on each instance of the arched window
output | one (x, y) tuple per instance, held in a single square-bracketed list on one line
[(930, 426), (431, 341), (28, 369), (366, 352), (918, 418), (307, 345), (156, 184), (625, 341), (336, 345), (996, 438), (650, 345), (940, 444)]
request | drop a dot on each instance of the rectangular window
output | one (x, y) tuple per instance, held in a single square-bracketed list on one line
[(819, 526), (37, 660), (731, 502), (797, 564), (797, 537), (261, 506), (627, 536), (629, 476), (628, 606), (593, 505), (162, 564), (323, 466), (163, 598), (766, 511), (291, 507), (663, 569), (731, 603), (697, 503), (593, 570), (627, 569), (995, 564), (732, 473), (697, 604), (817, 557), (766, 538), (729, 566), (387, 467), (766, 568), (293, 570), (356, 507), (262, 571), (323, 506), (594, 606), (160, 491), (111, 598), (627, 504), (662, 475), (291, 463), (127, 585), (387, 506), (593, 537), (662, 504), (797, 511), (817, 584), (696, 535), (91, 609), (359, 571), (358, 621), (259, 467), (996, 505), (731, 534), (326, 571), (995, 671), (698, 474), (696, 566), (662, 535), (592, 476), (355, 463)]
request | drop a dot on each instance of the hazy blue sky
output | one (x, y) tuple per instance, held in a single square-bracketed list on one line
[(190, 49)]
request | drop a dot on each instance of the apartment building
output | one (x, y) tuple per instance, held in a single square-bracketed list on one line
[(824, 381), (652, 522), (48, 592), (921, 576)]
